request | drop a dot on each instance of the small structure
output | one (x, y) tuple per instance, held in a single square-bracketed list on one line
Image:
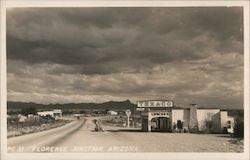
[(78, 116), (21, 118), (30, 115), (112, 113), (162, 115), (54, 113)]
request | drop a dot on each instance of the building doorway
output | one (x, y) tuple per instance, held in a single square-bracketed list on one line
[(145, 124), (160, 124)]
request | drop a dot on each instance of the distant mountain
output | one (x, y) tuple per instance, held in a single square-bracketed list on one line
[(110, 105), (106, 105)]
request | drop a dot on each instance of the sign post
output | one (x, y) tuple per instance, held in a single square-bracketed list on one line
[(128, 113)]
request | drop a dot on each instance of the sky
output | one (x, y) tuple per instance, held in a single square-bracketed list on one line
[(74, 55)]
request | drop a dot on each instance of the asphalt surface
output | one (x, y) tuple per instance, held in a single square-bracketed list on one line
[(79, 136), (28, 143)]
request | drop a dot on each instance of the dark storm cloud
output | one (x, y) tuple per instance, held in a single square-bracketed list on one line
[(100, 36), (191, 55)]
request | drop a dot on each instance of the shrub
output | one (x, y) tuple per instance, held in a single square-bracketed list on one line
[(12, 112), (49, 119), (238, 127), (208, 126)]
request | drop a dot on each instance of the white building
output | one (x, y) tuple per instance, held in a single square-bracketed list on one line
[(54, 113), (21, 118), (163, 116), (113, 113)]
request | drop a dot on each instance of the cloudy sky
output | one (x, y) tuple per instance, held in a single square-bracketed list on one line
[(64, 55)]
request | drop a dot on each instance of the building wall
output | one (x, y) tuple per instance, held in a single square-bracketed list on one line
[(54, 113), (45, 113), (223, 119), (180, 114), (209, 120), (159, 113), (57, 113), (216, 124), (145, 126), (193, 120), (206, 120), (231, 129), (112, 112)]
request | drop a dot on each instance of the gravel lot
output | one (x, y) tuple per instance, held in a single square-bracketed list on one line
[(118, 139), (152, 142)]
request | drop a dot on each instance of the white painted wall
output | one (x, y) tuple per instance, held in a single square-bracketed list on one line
[(223, 119), (204, 115), (112, 113), (54, 113), (180, 114), (44, 113), (218, 118), (231, 130)]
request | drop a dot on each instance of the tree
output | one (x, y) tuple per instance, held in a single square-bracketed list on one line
[(106, 111), (238, 127), (209, 126), (82, 112)]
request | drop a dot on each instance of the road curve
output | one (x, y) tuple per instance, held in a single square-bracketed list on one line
[(44, 138)]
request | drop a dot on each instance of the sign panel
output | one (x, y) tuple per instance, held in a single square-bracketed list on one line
[(128, 112), (160, 114), (140, 109), (156, 103)]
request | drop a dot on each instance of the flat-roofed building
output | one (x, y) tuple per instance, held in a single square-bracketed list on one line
[(56, 113), (162, 115)]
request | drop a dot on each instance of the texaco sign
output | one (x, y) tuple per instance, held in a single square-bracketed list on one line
[(157, 103)]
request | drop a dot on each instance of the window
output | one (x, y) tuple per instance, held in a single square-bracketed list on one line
[(228, 124)]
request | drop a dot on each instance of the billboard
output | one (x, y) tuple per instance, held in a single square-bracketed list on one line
[(155, 103)]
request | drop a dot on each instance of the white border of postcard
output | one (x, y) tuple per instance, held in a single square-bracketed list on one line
[(145, 155)]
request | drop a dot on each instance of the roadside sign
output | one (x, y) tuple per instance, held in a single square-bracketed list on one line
[(140, 109), (155, 103), (128, 113)]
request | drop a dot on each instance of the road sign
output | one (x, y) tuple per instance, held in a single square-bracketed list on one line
[(140, 109), (128, 113), (155, 103)]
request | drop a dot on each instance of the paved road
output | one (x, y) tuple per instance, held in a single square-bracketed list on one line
[(80, 137), (27, 143)]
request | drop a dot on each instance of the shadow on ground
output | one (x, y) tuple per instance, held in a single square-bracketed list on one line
[(125, 130), (236, 141), (225, 135), (232, 140), (135, 130)]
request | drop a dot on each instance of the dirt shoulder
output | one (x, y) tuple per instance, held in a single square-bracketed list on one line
[(18, 129)]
